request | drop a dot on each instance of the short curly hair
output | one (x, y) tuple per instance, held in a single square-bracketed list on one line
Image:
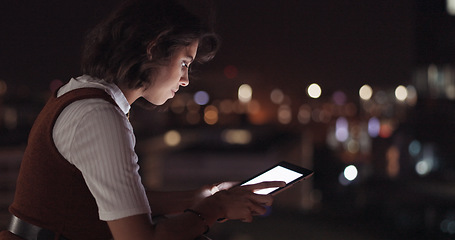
[(130, 45)]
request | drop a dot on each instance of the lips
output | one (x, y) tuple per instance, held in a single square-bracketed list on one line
[(174, 91)]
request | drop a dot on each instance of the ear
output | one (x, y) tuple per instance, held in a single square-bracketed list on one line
[(149, 49)]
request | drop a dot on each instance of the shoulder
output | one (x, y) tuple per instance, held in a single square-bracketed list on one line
[(92, 107), (91, 114)]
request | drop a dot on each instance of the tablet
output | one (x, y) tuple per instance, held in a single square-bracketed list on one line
[(283, 171)]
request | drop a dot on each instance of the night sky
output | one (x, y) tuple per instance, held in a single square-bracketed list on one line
[(273, 44)]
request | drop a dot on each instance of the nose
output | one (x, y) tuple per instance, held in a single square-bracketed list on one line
[(184, 80)]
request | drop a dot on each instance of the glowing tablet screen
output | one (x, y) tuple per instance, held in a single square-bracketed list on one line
[(277, 173)]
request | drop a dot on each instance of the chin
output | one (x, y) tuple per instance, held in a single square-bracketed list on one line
[(145, 104), (160, 102)]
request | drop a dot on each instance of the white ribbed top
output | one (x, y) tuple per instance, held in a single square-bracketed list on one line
[(96, 137)]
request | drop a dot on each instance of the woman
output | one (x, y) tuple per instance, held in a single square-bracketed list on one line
[(79, 175)]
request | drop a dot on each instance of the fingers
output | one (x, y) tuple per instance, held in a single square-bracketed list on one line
[(257, 209), (226, 185), (260, 199), (242, 203), (263, 185)]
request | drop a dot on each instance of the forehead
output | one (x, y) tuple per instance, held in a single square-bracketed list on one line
[(189, 51)]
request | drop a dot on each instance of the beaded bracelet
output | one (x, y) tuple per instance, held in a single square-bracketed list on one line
[(200, 216)]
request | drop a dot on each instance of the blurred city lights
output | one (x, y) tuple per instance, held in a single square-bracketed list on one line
[(374, 127), (172, 138), (254, 107), (315, 115), (366, 92), (348, 175), (353, 146), (450, 92), (236, 136), (339, 98), (211, 115), (245, 93), (450, 6), (284, 114), (192, 106), (393, 162), (201, 97), (304, 114), (411, 100), (226, 106), (432, 72), (314, 90), (448, 225), (401, 93), (350, 172), (381, 97), (325, 115), (414, 148), (427, 163), (423, 167), (277, 96), (341, 129), (386, 129)]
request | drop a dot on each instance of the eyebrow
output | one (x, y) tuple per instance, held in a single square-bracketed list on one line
[(190, 57)]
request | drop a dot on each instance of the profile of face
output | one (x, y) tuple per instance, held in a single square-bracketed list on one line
[(170, 77)]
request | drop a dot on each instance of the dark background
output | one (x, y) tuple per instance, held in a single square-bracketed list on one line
[(340, 45), (287, 43)]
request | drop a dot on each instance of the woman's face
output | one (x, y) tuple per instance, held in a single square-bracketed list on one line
[(170, 77)]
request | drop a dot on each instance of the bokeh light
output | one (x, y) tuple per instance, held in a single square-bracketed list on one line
[(226, 106), (339, 98), (374, 126), (236, 136), (341, 129), (284, 114), (411, 100), (201, 97), (277, 96), (211, 115), (245, 93), (366, 92), (414, 148), (314, 90), (304, 114), (401, 93), (350, 172), (172, 138)]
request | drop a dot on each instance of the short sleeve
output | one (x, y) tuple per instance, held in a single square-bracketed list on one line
[(102, 148)]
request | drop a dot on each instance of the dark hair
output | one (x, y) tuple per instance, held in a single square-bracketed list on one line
[(141, 36)]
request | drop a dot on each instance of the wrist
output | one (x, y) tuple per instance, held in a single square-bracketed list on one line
[(210, 209), (201, 217)]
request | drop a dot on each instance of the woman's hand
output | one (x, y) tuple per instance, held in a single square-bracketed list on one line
[(209, 190), (240, 202)]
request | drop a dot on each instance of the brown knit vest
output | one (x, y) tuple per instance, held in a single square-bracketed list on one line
[(51, 193)]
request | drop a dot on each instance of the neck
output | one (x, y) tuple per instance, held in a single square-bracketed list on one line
[(131, 95)]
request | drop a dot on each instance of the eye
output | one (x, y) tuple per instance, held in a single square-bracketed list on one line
[(184, 64)]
